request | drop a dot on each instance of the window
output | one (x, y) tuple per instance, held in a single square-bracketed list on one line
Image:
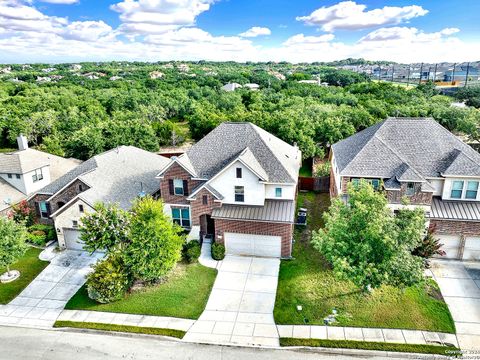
[(43, 209), (181, 216), (472, 190), (374, 182), (178, 186), (239, 194), (75, 223), (205, 199), (239, 173), (278, 192), (80, 208), (9, 176), (38, 175), (457, 189), (80, 187), (410, 189), (355, 182), (17, 176)]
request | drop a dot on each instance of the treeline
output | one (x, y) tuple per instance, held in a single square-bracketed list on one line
[(80, 117)]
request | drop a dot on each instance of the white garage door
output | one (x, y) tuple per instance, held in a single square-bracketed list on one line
[(72, 239), (253, 245), (451, 245), (472, 248)]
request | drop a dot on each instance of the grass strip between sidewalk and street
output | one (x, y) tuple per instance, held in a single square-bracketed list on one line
[(366, 345), (120, 328)]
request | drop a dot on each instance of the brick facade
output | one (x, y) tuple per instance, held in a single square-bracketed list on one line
[(198, 208), (176, 172), (418, 198), (285, 231), (33, 203), (445, 227)]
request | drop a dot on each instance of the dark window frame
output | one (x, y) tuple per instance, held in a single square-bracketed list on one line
[(80, 208), (410, 189), (239, 173), (239, 193), (205, 199)]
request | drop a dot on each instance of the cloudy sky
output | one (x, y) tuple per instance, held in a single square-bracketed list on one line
[(241, 30)]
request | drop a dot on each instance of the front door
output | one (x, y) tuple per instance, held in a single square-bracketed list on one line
[(210, 225)]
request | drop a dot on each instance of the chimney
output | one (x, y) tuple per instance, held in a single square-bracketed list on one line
[(22, 142)]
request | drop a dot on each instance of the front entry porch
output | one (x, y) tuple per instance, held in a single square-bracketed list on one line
[(207, 226)]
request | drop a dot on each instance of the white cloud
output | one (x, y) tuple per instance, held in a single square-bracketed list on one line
[(348, 15), (86, 30), (406, 34), (141, 17), (256, 31), (301, 40), (66, 2)]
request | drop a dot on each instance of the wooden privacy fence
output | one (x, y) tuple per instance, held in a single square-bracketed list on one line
[(321, 184)]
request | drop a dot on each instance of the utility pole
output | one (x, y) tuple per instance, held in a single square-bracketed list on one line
[(421, 72), (453, 72), (466, 75)]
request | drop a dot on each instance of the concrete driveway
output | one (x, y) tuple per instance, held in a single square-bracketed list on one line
[(42, 301), (240, 308), (460, 286)]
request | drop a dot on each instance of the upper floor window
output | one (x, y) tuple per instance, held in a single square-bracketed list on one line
[(18, 176), (374, 182), (472, 190), (205, 199), (9, 176), (239, 193), (239, 173), (80, 208), (278, 192), (38, 175), (410, 189), (80, 187), (74, 223), (181, 216), (457, 190), (178, 187), (43, 209)]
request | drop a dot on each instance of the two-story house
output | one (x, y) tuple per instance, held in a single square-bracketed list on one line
[(27, 170), (117, 176), (419, 160), (237, 185)]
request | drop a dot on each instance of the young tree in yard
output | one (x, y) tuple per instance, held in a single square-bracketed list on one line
[(12, 242), (367, 244), (105, 228), (155, 241)]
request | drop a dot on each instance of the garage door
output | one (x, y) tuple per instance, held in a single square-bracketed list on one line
[(253, 245), (451, 245), (472, 248), (72, 239)]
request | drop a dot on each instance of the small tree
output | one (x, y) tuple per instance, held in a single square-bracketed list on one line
[(105, 228), (155, 241), (12, 242), (366, 244), (22, 212)]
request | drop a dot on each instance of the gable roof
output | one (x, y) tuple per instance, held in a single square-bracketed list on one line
[(116, 176), (267, 155), (410, 149)]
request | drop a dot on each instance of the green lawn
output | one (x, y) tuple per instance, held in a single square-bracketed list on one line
[(449, 351), (308, 281), (29, 266), (184, 295)]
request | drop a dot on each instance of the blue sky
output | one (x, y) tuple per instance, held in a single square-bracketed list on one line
[(300, 30)]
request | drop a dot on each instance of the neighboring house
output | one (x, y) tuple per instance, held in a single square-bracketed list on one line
[(238, 185), (418, 159), (252, 86), (116, 176), (231, 87), (27, 170)]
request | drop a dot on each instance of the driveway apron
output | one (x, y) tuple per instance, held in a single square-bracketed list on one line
[(460, 286), (42, 301), (240, 308)]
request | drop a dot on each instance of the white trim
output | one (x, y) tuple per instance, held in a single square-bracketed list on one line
[(190, 198), (173, 160), (70, 183), (68, 204), (461, 176)]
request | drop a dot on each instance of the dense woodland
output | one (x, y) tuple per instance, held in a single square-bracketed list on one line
[(79, 117)]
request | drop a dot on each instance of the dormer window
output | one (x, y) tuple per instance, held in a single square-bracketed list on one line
[(472, 190), (239, 173), (38, 175), (410, 189), (18, 176), (278, 192), (178, 187), (457, 190), (9, 176)]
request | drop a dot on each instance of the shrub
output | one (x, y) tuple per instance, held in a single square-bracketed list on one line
[(218, 251), (37, 237), (429, 247), (109, 280), (49, 230), (323, 169), (22, 212), (191, 251)]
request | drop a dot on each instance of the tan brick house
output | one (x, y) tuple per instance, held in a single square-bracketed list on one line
[(238, 186), (417, 159)]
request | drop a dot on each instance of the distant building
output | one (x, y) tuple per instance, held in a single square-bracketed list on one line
[(49, 70), (76, 67), (115, 78), (231, 87), (6, 70), (156, 75), (252, 86), (183, 68)]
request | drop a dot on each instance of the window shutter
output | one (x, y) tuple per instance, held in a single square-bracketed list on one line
[(185, 187), (170, 186), (49, 210), (37, 208)]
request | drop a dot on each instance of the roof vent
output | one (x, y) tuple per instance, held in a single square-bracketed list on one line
[(22, 142)]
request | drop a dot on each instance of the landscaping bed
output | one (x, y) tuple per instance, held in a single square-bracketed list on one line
[(365, 345), (184, 295), (308, 280), (29, 266), (120, 328)]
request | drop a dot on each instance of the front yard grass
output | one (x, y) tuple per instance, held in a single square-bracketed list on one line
[(120, 328), (29, 266), (308, 280), (183, 295)]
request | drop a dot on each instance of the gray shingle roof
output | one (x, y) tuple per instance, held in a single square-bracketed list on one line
[(277, 159), (406, 148), (455, 210), (282, 211)]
